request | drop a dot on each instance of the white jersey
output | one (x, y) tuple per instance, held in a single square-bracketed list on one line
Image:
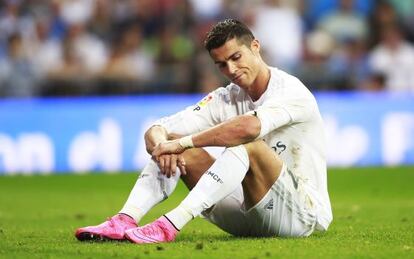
[(290, 124)]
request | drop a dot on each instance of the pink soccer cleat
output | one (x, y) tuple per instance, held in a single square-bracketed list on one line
[(112, 229), (159, 231)]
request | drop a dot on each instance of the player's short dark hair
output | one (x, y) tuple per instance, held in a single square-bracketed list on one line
[(226, 30)]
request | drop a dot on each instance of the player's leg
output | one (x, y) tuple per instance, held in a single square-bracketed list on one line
[(221, 179), (218, 185), (254, 165), (150, 188), (276, 203), (197, 161), (265, 168), (273, 200)]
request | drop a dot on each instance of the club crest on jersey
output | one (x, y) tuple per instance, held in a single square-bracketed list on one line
[(203, 102)]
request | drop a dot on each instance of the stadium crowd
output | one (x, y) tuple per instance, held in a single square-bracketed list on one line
[(102, 47)]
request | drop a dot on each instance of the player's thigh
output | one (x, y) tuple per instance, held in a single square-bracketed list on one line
[(285, 211), (265, 168)]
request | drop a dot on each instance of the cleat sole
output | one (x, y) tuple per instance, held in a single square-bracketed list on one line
[(87, 236)]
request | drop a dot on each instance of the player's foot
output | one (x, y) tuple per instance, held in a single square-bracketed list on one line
[(159, 231), (112, 229)]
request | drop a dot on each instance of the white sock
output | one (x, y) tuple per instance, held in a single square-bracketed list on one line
[(151, 188), (220, 180), (179, 217)]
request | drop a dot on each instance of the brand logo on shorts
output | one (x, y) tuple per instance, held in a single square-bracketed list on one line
[(269, 205), (214, 176)]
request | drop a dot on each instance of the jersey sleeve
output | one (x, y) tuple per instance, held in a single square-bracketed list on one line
[(278, 112), (195, 118)]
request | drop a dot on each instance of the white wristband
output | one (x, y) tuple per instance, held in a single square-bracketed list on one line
[(187, 142)]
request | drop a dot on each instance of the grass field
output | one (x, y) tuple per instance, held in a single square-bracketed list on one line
[(373, 218)]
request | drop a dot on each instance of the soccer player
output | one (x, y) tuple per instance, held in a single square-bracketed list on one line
[(270, 180)]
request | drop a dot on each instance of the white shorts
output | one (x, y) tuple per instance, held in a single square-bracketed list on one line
[(285, 211)]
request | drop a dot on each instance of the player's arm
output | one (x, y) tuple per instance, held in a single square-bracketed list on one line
[(196, 118), (236, 131)]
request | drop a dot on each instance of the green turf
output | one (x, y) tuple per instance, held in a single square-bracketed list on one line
[(373, 218)]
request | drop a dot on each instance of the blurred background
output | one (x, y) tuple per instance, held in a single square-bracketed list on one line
[(102, 47), (357, 56)]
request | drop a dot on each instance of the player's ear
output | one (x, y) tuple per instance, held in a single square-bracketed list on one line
[(255, 46)]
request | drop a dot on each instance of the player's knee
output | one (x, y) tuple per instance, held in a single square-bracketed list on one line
[(197, 160), (259, 152), (191, 156), (255, 147), (240, 152), (249, 152)]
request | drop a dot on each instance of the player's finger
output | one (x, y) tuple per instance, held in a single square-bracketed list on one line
[(181, 165), (162, 164), (167, 165), (174, 165), (182, 169)]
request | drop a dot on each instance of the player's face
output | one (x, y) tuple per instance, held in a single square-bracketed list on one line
[(238, 62)]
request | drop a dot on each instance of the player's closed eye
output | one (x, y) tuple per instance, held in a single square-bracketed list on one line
[(236, 57)]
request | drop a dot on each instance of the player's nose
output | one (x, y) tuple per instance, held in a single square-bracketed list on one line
[(232, 69)]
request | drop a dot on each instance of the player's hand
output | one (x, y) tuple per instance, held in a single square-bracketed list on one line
[(168, 164), (168, 147)]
